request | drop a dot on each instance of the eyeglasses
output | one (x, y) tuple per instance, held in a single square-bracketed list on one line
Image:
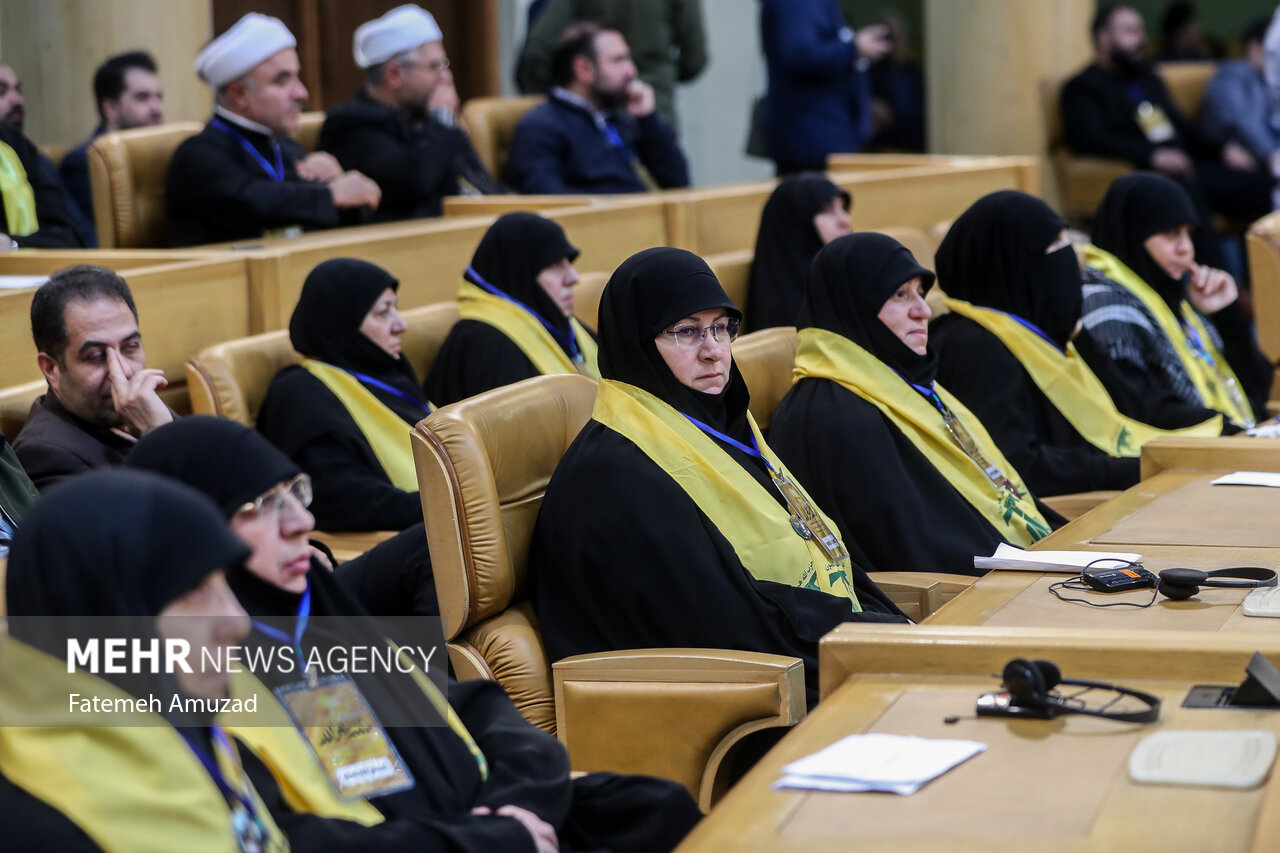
[(433, 65), (272, 500), (692, 336)]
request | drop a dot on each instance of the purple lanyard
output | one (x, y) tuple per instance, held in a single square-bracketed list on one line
[(753, 450), (570, 341), (299, 626), (390, 389), (215, 772), (276, 173)]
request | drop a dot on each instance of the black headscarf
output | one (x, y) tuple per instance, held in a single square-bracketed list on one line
[(513, 251), (1135, 207), (325, 325), (994, 256), (849, 282), (112, 548), (785, 245)]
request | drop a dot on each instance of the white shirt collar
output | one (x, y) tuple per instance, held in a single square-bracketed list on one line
[(240, 120)]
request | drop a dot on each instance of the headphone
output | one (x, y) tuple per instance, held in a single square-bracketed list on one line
[(1181, 584), (1031, 682)]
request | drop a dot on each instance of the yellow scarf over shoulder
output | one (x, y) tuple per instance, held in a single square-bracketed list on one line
[(1211, 383), (1073, 388), (133, 786), (756, 525), (19, 198), (527, 332), (386, 433), (825, 355)]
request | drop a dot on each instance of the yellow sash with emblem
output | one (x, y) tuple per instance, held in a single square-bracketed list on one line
[(1073, 388), (826, 355), (386, 433), (133, 786), (756, 525), (526, 332), (19, 198), (1213, 384)]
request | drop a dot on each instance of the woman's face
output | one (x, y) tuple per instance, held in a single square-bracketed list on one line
[(558, 280), (1172, 250), (208, 619), (832, 221), (704, 364), (907, 315), (276, 529), (383, 324)]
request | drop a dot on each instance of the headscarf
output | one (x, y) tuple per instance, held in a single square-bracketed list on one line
[(112, 548), (651, 290), (994, 256), (849, 282), (785, 245), (513, 251), (325, 325), (1135, 207)]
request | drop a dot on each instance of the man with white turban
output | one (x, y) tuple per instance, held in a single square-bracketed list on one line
[(243, 176), (402, 129)]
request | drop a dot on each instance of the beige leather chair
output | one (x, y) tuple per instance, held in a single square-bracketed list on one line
[(491, 123), (766, 359), (586, 298), (15, 405), (127, 171), (483, 467), (1263, 244), (308, 132), (1082, 180)]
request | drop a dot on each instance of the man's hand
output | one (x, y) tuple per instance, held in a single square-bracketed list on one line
[(352, 189), (1171, 161), (874, 42), (444, 97), (544, 834), (1237, 157), (134, 396), (640, 100), (319, 167), (1211, 290)]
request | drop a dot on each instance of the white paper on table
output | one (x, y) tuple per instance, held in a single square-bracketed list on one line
[(1009, 558), (878, 762), (1249, 478), (15, 282)]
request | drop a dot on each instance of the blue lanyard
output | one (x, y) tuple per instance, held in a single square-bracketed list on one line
[(1196, 343), (1033, 327), (299, 626), (614, 138), (215, 772), (276, 173), (390, 389), (753, 450), (570, 341), (927, 392), (1136, 92)]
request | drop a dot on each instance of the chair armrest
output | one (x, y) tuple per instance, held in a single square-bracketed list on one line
[(676, 713), (919, 594), (1073, 506), (349, 545)]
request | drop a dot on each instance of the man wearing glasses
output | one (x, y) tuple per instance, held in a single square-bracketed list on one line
[(402, 129)]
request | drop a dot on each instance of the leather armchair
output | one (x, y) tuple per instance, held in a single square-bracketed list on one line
[(734, 271), (15, 405), (491, 123), (766, 359), (308, 131), (586, 298), (483, 467), (126, 172)]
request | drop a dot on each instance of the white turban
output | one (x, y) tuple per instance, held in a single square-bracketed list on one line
[(403, 28), (252, 40)]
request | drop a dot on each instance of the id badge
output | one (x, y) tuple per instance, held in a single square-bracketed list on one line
[(962, 437), (286, 232), (1154, 123), (806, 520), (345, 735)]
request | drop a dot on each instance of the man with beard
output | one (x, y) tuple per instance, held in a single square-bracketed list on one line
[(101, 397), (402, 129), (1119, 107), (598, 132)]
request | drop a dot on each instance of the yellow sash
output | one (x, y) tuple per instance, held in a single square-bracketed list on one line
[(1073, 388), (134, 786), (527, 332), (756, 525), (386, 433), (19, 198), (1210, 383), (826, 355)]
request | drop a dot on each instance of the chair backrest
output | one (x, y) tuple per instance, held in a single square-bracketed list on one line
[(1187, 82), (127, 171), (230, 379), (15, 405), (734, 271), (586, 298), (766, 359), (491, 123), (483, 468), (1263, 242), (308, 132)]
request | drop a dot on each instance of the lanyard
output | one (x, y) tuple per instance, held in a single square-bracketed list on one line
[(1033, 327), (1136, 92), (277, 172), (753, 450), (570, 341), (299, 627), (390, 389), (614, 138), (223, 744)]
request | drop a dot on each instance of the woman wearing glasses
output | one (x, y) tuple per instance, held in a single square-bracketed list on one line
[(516, 308), (464, 772), (670, 522), (908, 473), (344, 414)]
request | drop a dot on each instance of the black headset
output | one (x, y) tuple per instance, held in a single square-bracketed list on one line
[(1031, 682), (1181, 584)]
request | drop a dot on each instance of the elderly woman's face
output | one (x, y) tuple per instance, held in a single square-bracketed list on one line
[(209, 618), (699, 362), (907, 315), (277, 531), (558, 281), (383, 324)]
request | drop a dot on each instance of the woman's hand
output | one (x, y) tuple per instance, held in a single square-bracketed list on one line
[(544, 834), (1211, 290)]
